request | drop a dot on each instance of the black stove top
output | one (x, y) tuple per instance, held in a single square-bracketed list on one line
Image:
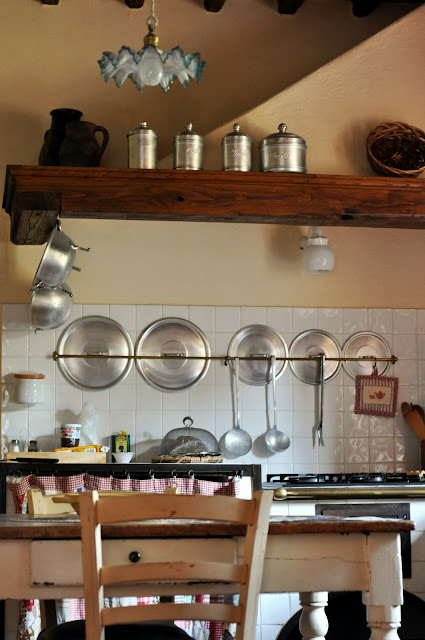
[(344, 479)]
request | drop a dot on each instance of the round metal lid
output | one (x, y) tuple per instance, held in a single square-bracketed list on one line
[(362, 345), (281, 136), (143, 130), (95, 335), (236, 133), (258, 340), (188, 134), (312, 343), (172, 337)]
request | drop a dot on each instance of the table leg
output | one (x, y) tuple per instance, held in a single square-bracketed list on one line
[(385, 596), (313, 621)]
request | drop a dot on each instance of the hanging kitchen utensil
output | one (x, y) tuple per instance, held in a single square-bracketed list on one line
[(94, 339), (172, 342), (366, 345), (275, 440), (237, 442), (376, 395), (50, 306), (319, 425), (58, 258), (313, 343), (414, 419), (261, 342)]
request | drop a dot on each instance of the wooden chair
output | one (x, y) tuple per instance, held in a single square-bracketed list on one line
[(155, 621)]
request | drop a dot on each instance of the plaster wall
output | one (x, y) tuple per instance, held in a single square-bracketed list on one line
[(333, 108)]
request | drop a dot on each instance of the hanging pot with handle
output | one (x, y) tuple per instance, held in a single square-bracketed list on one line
[(58, 259), (50, 306)]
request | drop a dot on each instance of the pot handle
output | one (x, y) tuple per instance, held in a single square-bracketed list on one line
[(74, 246)]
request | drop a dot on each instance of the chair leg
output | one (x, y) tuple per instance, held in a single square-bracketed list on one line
[(48, 613)]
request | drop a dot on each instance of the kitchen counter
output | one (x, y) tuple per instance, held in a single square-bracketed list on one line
[(41, 558)]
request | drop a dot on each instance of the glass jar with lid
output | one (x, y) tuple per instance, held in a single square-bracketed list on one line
[(28, 388)]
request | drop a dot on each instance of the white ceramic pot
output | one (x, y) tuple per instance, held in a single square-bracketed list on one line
[(28, 388)]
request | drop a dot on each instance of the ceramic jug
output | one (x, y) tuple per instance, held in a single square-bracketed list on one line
[(80, 147), (53, 138)]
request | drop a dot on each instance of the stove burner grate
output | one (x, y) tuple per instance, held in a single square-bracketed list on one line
[(288, 479)]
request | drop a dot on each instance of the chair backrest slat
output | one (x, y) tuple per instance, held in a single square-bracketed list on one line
[(243, 575)]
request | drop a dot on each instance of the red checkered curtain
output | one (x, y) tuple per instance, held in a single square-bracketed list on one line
[(73, 609)]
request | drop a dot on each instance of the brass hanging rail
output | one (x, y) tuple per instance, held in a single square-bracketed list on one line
[(180, 356)]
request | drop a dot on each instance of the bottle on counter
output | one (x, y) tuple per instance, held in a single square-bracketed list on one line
[(14, 445), (33, 446)]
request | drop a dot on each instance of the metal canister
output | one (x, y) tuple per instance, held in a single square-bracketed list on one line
[(282, 151), (188, 149), (142, 147), (236, 150)]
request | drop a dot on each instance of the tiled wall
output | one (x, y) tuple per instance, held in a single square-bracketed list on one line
[(352, 442)]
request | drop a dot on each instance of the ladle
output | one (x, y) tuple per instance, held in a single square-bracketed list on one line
[(275, 440), (237, 442)]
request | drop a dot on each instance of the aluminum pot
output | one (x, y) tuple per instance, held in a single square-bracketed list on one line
[(50, 306), (283, 151), (58, 259)]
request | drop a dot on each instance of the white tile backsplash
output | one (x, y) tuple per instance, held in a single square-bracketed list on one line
[(352, 442)]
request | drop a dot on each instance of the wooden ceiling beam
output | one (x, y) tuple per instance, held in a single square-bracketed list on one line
[(363, 8), (214, 5), (289, 6)]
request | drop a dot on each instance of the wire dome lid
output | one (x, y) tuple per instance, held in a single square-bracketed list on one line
[(189, 440)]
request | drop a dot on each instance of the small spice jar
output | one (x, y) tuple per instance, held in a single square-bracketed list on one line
[(14, 445), (236, 150), (33, 445), (188, 149), (282, 151), (142, 147), (28, 388)]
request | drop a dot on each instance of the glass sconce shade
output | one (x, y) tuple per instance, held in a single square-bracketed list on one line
[(150, 67), (317, 256)]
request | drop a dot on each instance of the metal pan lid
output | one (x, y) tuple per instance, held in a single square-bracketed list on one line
[(365, 344), (261, 341), (95, 335), (172, 337), (312, 343)]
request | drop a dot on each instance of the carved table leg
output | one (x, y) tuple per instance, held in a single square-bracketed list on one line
[(385, 595), (313, 621)]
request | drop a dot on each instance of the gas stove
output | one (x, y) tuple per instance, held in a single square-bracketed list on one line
[(341, 485)]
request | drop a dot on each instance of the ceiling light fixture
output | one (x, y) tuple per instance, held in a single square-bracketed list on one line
[(317, 256), (150, 66)]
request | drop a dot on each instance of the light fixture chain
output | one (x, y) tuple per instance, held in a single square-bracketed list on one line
[(152, 21)]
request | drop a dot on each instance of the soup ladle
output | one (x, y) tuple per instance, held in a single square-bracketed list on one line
[(275, 440)]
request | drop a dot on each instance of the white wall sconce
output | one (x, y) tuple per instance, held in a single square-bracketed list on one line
[(317, 256)]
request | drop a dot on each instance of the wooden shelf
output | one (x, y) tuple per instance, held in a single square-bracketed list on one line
[(34, 196)]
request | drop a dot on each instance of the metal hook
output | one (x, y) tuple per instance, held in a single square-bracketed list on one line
[(374, 368), (151, 474), (127, 475), (191, 474), (226, 361), (174, 474)]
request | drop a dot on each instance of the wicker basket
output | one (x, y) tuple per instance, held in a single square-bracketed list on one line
[(396, 149)]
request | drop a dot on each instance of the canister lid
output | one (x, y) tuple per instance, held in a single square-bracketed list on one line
[(30, 376), (142, 130), (188, 134), (281, 137), (236, 133)]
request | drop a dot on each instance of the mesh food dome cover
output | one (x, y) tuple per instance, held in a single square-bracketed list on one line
[(189, 440)]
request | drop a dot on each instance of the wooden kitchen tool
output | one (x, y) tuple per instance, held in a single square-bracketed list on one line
[(414, 419)]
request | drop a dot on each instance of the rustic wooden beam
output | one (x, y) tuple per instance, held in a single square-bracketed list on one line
[(214, 5), (135, 4), (206, 196), (363, 8), (289, 6), (33, 217)]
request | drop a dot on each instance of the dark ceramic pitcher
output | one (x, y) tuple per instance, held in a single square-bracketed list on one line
[(80, 147), (53, 138)]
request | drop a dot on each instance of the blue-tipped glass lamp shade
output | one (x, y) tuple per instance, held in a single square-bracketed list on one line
[(150, 67)]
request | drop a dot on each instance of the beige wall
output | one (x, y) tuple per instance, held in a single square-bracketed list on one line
[(251, 53)]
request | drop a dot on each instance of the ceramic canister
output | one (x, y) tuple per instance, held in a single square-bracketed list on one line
[(28, 388), (188, 149), (142, 147), (282, 151), (236, 150)]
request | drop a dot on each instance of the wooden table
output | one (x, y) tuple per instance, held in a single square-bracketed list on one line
[(40, 558)]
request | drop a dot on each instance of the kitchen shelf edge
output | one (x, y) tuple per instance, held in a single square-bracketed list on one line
[(34, 196)]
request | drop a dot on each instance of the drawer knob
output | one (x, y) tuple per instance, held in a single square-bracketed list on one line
[(134, 556)]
